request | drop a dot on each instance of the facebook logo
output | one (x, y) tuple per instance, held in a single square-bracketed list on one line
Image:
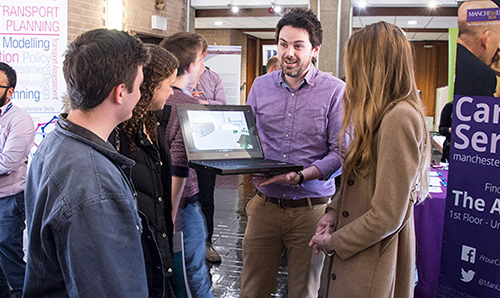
[(468, 254)]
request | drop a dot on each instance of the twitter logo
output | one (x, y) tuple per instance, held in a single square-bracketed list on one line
[(467, 276)]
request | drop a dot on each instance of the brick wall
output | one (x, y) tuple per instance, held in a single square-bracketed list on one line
[(84, 15)]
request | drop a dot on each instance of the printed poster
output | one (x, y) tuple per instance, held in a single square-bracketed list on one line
[(470, 259), (33, 38), (226, 61)]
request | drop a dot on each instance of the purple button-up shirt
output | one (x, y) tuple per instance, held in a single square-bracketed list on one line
[(17, 133), (300, 126), (213, 89)]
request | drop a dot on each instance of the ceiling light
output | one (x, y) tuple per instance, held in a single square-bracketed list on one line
[(275, 8), (218, 23), (412, 22), (234, 9), (362, 4), (433, 4)]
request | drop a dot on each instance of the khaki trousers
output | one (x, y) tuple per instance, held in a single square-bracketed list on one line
[(270, 230)]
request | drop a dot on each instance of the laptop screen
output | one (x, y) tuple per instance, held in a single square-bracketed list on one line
[(219, 132)]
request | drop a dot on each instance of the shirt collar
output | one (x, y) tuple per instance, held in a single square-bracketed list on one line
[(185, 91), (308, 78), (5, 108)]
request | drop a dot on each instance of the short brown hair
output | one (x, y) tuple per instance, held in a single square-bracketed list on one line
[(185, 46), (97, 61)]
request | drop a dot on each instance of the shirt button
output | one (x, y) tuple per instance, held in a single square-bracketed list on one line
[(286, 136), (350, 182), (289, 114), (164, 235), (345, 214), (160, 199), (333, 276), (284, 155), (293, 94)]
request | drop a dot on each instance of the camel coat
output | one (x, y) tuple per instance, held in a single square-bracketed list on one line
[(374, 237)]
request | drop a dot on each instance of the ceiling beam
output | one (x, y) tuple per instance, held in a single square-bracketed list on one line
[(243, 12), (405, 11)]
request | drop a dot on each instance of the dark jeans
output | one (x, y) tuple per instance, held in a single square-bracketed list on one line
[(11, 240), (4, 286), (206, 184)]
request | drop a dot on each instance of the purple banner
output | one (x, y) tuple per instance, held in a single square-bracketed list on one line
[(483, 15), (470, 260)]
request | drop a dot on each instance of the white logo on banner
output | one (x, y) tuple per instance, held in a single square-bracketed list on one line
[(468, 254), (467, 276)]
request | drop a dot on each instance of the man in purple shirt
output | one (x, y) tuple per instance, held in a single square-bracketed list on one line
[(17, 133), (298, 113), (210, 89)]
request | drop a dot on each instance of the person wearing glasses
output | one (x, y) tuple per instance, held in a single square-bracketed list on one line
[(17, 134)]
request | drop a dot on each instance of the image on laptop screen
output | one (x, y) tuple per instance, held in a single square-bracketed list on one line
[(219, 130)]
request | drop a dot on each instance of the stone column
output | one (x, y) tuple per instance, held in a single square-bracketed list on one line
[(335, 17)]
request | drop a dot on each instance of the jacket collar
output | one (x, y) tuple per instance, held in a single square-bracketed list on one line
[(84, 135)]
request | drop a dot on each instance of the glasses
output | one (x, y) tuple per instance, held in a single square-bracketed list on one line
[(6, 87)]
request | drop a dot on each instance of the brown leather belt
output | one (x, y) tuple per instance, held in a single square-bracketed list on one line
[(288, 203)]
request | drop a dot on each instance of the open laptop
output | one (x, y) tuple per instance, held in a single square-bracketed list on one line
[(224, 140)]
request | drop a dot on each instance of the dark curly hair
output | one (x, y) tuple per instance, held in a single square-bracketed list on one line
[(162, 64)]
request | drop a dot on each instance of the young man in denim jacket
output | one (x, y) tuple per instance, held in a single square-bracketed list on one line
[(83, 227)]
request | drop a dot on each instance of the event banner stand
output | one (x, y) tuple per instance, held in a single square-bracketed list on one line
[(470, 259), (33, 39)]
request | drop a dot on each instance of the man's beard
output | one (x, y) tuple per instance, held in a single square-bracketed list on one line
[(296, 71), (3, 99)]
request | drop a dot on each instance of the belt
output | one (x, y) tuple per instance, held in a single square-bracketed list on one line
[(288, 203), (186, 201)]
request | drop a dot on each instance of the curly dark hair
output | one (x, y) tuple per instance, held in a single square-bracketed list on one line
[(162, 64)]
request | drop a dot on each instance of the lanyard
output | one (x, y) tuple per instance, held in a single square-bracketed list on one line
[(9, 106)]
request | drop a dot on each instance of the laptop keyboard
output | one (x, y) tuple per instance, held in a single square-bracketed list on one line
[(241, 162)]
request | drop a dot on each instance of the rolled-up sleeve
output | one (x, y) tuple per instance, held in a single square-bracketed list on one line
[(332, 161)]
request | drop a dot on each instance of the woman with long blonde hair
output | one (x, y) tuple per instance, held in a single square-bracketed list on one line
[(368, 227)]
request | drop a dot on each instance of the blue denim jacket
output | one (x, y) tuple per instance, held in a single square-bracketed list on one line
[(83, 227)]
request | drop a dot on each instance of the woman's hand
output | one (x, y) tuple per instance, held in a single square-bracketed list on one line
[(322, 239)]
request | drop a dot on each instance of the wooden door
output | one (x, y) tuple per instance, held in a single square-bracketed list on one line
[(426, 73), (251, 62)]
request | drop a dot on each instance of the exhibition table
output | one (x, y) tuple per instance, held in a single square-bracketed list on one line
[(429, 222)]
